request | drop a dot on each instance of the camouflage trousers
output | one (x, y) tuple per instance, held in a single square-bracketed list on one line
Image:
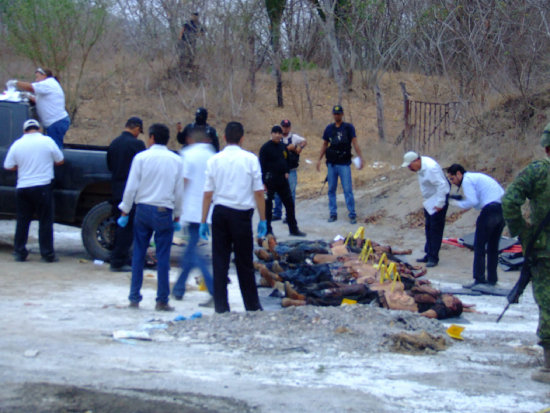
[(540, 273)]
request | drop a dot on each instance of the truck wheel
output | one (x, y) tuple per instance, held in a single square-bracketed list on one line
[(98, 231)]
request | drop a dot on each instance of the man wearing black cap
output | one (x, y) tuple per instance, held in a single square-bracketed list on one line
[(273, 160), (33, 156), (337, 141), (120, 154), (294, 145), (198, 129)]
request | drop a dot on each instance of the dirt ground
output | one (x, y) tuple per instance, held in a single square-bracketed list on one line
[(57, 351)]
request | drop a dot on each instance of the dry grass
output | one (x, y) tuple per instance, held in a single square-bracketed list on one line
[(119, 86)]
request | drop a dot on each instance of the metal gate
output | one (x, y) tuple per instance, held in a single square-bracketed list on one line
[(426, 124)]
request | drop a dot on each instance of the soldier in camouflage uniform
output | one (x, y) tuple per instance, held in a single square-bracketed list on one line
[(533, 183)]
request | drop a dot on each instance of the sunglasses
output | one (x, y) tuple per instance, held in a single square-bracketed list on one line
[(41, 71)]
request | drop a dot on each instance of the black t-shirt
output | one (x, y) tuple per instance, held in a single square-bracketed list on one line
[(199, 130), (120, 154), (273, 160), (339, 139)]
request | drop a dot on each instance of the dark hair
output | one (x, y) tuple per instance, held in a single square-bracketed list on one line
[(160, 132), (134, 122), (234, 131), (454, 168)]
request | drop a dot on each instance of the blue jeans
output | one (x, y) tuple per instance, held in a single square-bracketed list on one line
[(151, 219), (292, 182), (190, 259), (57, 130), (344, 172)]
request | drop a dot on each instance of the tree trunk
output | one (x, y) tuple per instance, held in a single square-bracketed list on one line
[(380, 113)]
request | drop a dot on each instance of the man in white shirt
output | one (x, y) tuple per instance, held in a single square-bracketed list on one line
[(435, 191), (484, 193), (33, 156), (155, 185), (234, 185), (294, 145), (195, 157), (50, 103)]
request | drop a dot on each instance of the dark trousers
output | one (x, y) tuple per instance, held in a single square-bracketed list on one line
[(489, 226), (435, 224), (30, 201), (120, 254), (282, 188), (232, 231)]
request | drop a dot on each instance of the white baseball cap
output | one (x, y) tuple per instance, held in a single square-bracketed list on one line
[(29, 123), (409, 158)]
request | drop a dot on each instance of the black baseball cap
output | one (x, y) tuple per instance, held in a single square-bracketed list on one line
[(285, 123), (276, 129), (338, 109)]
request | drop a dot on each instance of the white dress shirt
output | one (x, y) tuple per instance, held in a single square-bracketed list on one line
[(34, 155), (194, 158), (234, 175), (479, 190), (155, 178), (433, 185), (50, 101)]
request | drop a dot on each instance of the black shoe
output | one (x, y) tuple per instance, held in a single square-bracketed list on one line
[(134, 305), (124, 268), (431, 264), (332, 218), (163, 307), (298, 233), (353, 221), (178, 297), (275, 219), (492, 283), (424, 259), (474, 284), (50, 259), (19, 258)]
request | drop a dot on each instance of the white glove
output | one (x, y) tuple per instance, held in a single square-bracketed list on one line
[(11, 84)]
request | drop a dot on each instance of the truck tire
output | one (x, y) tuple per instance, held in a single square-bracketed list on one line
[(98, 231)]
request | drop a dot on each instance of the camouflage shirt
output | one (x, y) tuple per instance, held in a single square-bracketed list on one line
[(532, 183)]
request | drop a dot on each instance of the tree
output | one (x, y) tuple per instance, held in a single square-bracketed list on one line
[(275, 10), (57, 34)]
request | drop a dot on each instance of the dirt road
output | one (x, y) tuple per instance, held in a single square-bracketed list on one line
[(58, 322)]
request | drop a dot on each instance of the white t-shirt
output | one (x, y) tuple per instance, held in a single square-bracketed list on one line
[(433, 185), (234, 175), (479, 190), (194, 158), (293, 138), (34, 155), (50, 101), (155, 178)]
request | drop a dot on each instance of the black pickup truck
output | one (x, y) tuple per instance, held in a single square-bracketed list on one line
[(82, 186)]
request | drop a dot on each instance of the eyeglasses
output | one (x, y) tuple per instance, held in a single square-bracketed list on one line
[(41, 71)]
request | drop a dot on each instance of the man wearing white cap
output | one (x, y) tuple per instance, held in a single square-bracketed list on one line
[(33, 156), (435, 191)]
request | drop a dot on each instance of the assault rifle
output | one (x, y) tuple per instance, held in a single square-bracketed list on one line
[(525, 275)]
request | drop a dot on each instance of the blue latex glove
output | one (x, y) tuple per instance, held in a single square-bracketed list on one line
[(177, 226), (122, 221), (262, 229), (204, 231)]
